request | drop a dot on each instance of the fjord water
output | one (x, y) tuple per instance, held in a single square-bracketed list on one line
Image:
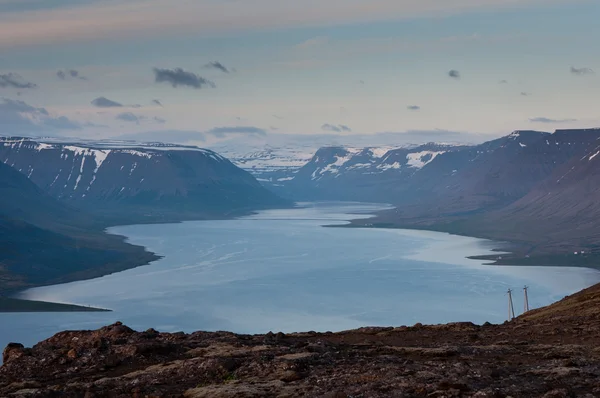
[(281, 270)]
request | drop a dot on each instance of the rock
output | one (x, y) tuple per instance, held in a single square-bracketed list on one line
[(12, 352), (72, 354), (289, 376)]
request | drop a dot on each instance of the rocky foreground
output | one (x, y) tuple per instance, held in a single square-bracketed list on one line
[(550, 352)]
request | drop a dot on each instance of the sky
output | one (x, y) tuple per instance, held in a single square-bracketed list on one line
[(205, 70)]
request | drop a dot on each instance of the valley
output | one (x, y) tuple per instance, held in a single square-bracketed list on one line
[(57, 198)]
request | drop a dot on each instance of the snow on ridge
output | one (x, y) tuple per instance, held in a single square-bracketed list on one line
[(594, 155), (416, 159), (379, 152), (134, 152)]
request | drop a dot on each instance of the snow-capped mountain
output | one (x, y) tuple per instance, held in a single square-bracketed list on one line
[(146, 177), (343, 172), (467, 177)]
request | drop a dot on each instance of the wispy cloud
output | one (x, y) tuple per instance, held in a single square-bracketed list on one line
[(159, 120), (179, 77), (103, 102), (314, 42), (503, 82), (549, 120), (525, 94), (413, 107), (14, 80), (223, 131), (454, 74), (277, 117), (216, 65), (581, 71), (157, 102), (336, 128), (65, 74)]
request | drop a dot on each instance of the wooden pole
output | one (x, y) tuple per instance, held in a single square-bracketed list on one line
[(511, 308), (526, 298)]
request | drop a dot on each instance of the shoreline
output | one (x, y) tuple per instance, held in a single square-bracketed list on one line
[(510, 252), (506, 255), (13, 304), (16, 305)]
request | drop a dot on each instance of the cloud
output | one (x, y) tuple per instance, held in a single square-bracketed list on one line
[(454, 74), (336, 128), (14, 80), (581, 71), (525, 94), (277, 117), (129, 117), (69, 73), (503, 81), (103, 102), (120, 20), (216, 65), (548, 120), (18, 117), (413, 107), (178, 77), (159, 120), (157, 102), (8, 105), (223, 131)]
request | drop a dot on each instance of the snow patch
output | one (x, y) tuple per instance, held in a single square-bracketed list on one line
[(384, 167), (416, 159), (594, 155)]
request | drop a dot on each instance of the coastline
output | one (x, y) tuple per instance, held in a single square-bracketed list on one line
[(141, 257), (510, 252)]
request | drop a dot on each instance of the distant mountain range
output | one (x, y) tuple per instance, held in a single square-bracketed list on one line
[(534, 188)]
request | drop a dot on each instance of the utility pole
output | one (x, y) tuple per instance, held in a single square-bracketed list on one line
[(526, 298), (511, 308)]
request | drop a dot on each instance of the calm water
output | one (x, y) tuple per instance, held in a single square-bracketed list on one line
[(281, 270)]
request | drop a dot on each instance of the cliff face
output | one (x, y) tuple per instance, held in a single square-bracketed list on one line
[(550, 352)]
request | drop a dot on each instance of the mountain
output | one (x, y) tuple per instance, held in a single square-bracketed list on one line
[(137, 182), (43, 241), (534, 188), (363, 174), (565, 206)]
